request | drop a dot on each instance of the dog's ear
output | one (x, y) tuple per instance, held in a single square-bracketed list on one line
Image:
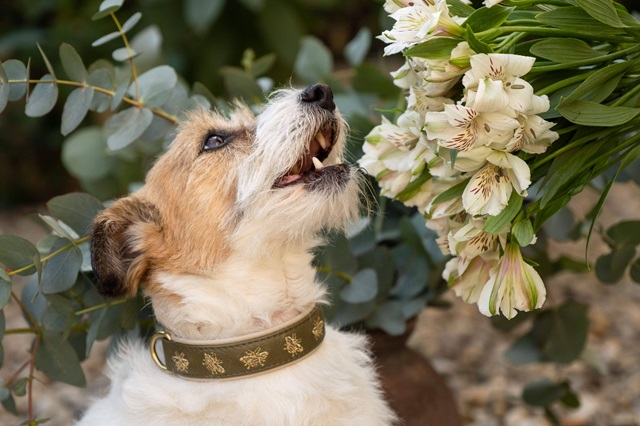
[(118, 244)]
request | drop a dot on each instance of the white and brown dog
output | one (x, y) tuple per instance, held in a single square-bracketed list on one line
[(219, 239)]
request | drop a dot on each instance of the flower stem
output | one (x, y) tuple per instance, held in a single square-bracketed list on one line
[(551, 32), (563, 83), (591, 61)]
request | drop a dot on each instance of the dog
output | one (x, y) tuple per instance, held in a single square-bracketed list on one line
[(220, 240)]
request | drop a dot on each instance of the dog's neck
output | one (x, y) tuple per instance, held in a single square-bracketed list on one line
[(246, 294)]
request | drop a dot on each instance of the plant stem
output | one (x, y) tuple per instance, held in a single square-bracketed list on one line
[(110, 93), (49, 256), (16, 373), (563, 83), (21, 330), (134, 72), (32, 365), (627, 96), (591, 61), (528, 3), (30, 319), (552, 32), (100, 306)]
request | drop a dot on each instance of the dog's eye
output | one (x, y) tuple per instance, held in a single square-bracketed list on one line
[(214, 142)]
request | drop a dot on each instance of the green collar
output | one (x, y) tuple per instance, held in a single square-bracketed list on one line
[(245, 356)]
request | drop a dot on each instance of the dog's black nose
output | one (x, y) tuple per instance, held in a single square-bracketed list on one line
[(321, 94)]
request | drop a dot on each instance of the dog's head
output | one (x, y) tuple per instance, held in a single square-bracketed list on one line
[(241, 184)]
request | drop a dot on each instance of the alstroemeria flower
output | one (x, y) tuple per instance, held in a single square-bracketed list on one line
[(403, 135), (416, 23), (471, 240), (467, 279), (462, 128), (489, 190), (513, 286)]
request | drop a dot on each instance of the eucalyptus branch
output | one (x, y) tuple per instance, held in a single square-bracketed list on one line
[(100, 306), (134, 71), (15, 374), (21, 330), (30, 319), (32, 365), (51, 255), (110, 93)]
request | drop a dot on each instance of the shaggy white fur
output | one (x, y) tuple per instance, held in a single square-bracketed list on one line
[(262, 278)]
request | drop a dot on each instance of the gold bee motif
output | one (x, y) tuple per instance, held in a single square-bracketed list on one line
[(182, 364), (254, 358), (213, 364), (293, 345), (318, 328)]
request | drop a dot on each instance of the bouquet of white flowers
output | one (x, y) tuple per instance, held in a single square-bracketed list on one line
[(510, 110)]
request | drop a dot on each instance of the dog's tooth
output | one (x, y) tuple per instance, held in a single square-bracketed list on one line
[(317, 163), (322, 141)]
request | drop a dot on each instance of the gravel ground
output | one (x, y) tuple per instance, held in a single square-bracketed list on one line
[(460, 343)]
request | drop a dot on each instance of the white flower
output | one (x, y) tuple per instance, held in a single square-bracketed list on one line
[(489, 190), (513, 286), (462, 128), (533, 136), (471, 240), (467, 279), (417, 22)]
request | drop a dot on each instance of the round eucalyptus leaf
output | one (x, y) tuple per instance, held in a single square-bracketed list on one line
[(362, 288), (106, 8), (5, 88), (381, 260), (5, 293), (43, 97), (610, 267), (60, 272), (119, 94), (542, 392), (16, 70), (240, 85), (412, 279), (75, 109), (72, 63), (127, 126), (100, 78), (314, 61), (351, 313), (356, 50), (84, 154), (634, 271), (123, 54), (155, 86), (106, 38), (76, 210), (57, 359), (389, 318), (131, 22), (16, 253), (627, 232), (525, 350)]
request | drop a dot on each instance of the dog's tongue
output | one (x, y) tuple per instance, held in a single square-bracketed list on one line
[(288, 179)]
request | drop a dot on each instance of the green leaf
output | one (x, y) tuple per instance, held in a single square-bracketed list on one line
[(610, 268), (388, 317), (434, 48), (568, 326), (314, 62), (627, 232), (525, 350), (523, 232), (127, 126), (72, 63), (475, 44), (458, 8), (5, 293), (634, 271), (455, 191), (57, 359), (100, 78), (370, 79), (106, 38), (20, 387), (75, 109), (9, 403), (16, 70), (381, 260), (356, 50), (43, 98), (5, 88), (414, 187), (17, 253), (60, 272), (119, 95), (106, 8), (76, 210), (56, 227), (263, 64), (279, 24), (155, 86), (592, 88), (84, 154), (487, 18), (240, 85), (542, 392), (564, 50), (495, 224), (412, 280), (576, 19), (201, 14), (131, 22), (46, 62), (593, 114), (123, 54), (603, 11), (362, 288), (351, 313)]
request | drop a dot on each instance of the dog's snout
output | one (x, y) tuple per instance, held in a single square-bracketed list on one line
[(321, 94)]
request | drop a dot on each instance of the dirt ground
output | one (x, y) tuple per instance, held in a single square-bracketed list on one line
[(459, 342)]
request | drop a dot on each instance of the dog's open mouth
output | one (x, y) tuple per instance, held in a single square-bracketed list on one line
[(310, 166)]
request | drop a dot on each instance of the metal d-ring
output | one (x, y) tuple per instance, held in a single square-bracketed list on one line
[(152, 348)]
